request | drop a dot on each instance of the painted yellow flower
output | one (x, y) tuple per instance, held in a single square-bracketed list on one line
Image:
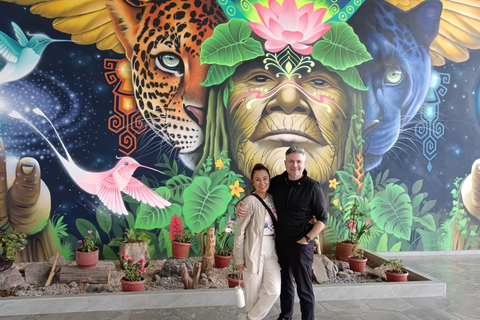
[(219, 163), (335, 202), (236, 189), (333, 183), (341, 208)]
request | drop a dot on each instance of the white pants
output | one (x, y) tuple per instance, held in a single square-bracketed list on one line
[(258, 306)]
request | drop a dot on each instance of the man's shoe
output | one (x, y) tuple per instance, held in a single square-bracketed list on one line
[(242, 316)]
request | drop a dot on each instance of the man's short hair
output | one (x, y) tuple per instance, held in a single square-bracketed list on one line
[(296, 149)]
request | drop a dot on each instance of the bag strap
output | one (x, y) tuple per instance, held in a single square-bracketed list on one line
[(274, 221)]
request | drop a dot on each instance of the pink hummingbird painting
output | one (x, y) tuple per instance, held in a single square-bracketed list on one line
[(106, 185)]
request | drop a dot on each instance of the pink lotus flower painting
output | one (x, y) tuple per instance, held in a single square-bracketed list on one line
[(287, 25)]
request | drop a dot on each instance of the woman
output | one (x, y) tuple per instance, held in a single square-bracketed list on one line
[(254, 249)]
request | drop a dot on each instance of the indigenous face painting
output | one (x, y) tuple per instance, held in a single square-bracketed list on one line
[(290, 92)]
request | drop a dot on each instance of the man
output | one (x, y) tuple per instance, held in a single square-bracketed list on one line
[(297, 198)]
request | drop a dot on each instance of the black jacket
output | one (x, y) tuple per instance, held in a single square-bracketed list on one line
[(296, 202)]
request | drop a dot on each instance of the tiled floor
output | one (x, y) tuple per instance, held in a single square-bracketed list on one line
[(461, 273)]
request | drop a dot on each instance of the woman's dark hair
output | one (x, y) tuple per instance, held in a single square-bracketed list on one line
[(258, 167)]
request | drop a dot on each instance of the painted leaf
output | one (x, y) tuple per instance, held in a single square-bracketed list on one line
[(230, 44), (104, 218), (382, 243), (347, 181), (177, 186), (417, 200), (84, 225), (166, 241), (108, 253), (417, 186), (431, 240), (427, 221), (367, 189), (396, 247), (150, 218), (351, 77), (218, 176), (392, 211), (204, 204), (130, 221), (217, 74), (340, 48)]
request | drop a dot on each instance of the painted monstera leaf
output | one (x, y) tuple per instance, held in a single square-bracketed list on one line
[(392, 211), (151, 217), (203, 204)]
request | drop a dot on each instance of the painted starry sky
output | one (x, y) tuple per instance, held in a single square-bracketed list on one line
[(69, 86)]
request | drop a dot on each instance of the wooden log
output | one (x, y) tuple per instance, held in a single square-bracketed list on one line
[(208, 254), (190, 282), (317, 244), (99, 274), (52, 271)]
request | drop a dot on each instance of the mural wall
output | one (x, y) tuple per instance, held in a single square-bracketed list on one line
[(124, 114)]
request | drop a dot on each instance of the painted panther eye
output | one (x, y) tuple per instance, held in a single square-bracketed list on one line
[(394, 76), (170, 63)]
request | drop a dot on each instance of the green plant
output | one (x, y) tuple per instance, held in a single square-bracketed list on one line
[(394, 265), (10, 243), (222, 246), (131, 236), (356, 225), (234, 273), (88, 244), (133, 269), (358, 253)]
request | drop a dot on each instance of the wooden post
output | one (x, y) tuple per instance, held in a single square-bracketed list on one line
[(190, 282), (52, 271), (208, 253)]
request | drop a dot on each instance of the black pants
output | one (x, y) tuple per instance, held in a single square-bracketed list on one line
[(296, 260)]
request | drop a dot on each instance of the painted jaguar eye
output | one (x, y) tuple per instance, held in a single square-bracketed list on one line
[(394, 76), (170, 63)]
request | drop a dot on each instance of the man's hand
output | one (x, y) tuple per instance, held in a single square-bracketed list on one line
[(471, 190), (241, 211)]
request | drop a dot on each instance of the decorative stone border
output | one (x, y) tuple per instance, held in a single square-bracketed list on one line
[(419, 285)]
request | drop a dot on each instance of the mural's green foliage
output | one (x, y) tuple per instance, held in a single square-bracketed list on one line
[(230, 44), (218, 73), (382, 245), (335, 229), (431, 240), (347, 181), (166, 241), (104, 218), (59, 228), (177, 186), (427, 221), (151, 217), (340, 48), (382, 180), (204, 203), (367, 190), (392, 211), (351, 77), (84, 225), (108, 253)]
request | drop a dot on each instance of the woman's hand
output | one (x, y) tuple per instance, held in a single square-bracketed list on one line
[(240, 267)]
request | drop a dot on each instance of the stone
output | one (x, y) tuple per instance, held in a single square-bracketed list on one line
[(330, 267), (203, 275), (10, 278), (91, 288), (60, 261), (23, 286), (37, 273), (319, 272), (380, 272), (343, 275), (73, 284), (203, 282), (156, 278), (171, 268), (348, 271)]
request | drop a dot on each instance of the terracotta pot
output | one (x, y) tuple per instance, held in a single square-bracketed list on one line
[(5, 265), (180, 249), (343, 250), (136, 250), (357, 265), (222, 261), (86, 260), (396, 277), (130, 286), (232, 282)]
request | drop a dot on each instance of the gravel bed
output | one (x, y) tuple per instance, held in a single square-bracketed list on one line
[(217, 280)]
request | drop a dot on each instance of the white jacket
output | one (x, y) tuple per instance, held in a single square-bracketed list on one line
[(249, 234)]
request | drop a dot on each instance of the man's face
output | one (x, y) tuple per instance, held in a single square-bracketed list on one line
[(268, 114), (295, 164)]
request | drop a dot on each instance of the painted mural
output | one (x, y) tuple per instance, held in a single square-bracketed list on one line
[(130, 114)]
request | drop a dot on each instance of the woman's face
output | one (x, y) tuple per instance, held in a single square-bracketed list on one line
[(268, 112), (261, 181)]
